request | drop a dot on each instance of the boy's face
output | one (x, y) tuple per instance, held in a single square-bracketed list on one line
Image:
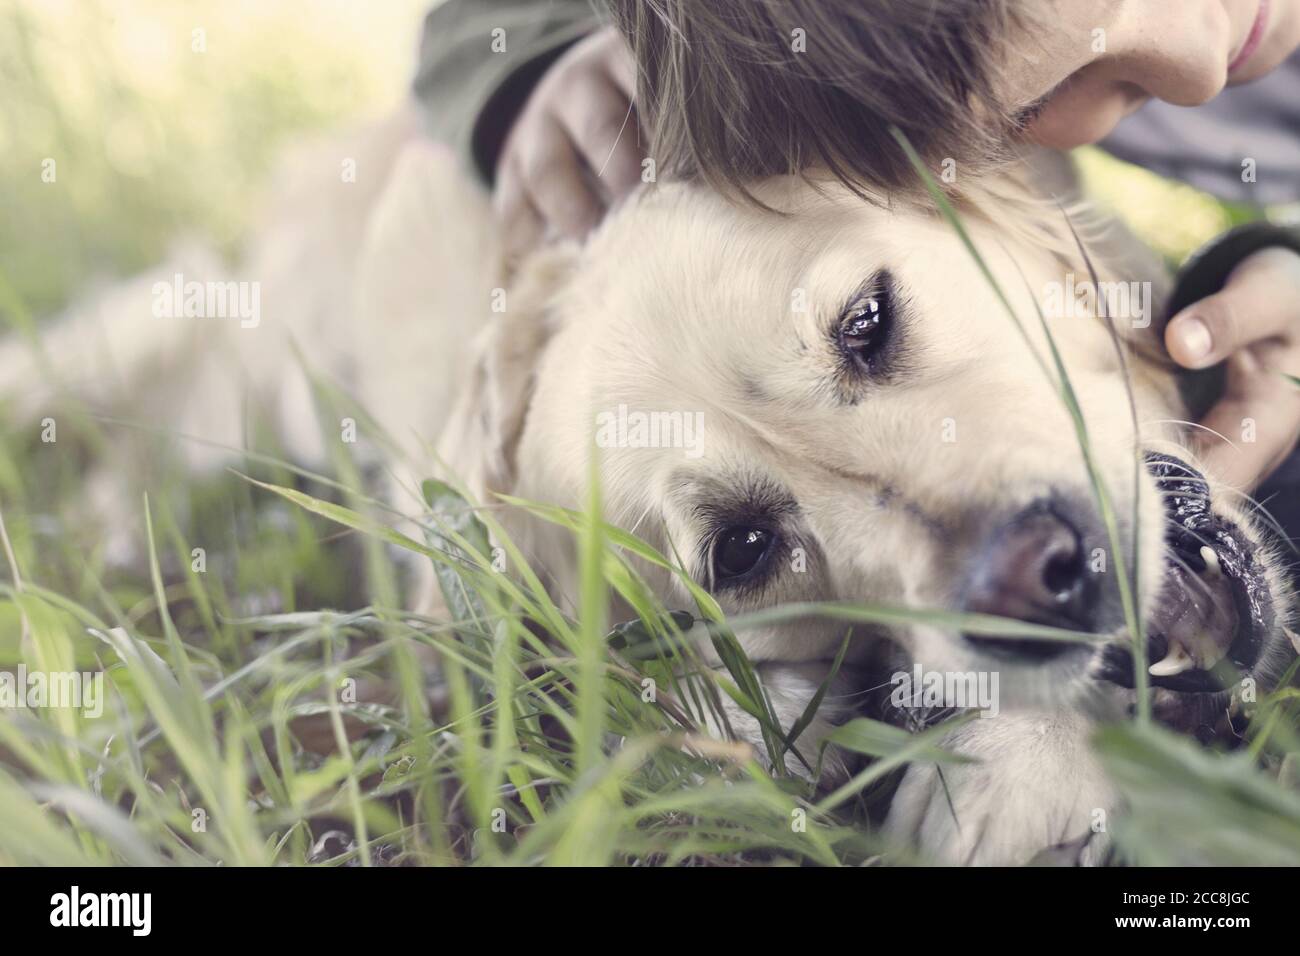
[(1090, 63)]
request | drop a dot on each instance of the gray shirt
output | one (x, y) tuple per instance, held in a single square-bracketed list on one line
[(1206, 146)]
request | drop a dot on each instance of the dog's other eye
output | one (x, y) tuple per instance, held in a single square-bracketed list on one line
[(864, 328), (737, 551)]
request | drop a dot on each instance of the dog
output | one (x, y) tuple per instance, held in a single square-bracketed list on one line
[(828, 402)]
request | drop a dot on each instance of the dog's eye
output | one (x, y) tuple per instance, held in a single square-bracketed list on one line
[(864, 328), (738, 551)]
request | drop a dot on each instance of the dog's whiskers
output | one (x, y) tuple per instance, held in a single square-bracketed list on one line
[(1180, 421), (1256, 507)]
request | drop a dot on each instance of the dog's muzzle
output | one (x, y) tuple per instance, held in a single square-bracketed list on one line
[(1215, 611), (1208, 626), (1034, 568)]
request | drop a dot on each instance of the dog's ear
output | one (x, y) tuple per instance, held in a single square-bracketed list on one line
[(483, 434)]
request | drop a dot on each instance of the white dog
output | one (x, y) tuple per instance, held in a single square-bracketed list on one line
[(828, 404)]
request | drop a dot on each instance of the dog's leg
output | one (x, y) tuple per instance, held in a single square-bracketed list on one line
[(153, 353), (427, 273), (427, 269), (123, 352), (1034, 783)]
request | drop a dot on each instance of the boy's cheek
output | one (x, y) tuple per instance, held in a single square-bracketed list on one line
[(1081, 117)]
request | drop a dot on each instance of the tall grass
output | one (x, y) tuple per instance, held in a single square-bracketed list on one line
[(282, 705)]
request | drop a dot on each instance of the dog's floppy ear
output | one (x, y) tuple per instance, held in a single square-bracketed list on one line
[(483, 434)]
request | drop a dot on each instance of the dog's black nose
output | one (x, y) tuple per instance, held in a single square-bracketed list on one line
[(1033, 569)]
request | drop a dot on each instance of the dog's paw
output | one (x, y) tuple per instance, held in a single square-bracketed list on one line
[(1032, 784)]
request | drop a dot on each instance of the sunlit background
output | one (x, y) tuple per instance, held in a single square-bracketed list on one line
[(163, 117)]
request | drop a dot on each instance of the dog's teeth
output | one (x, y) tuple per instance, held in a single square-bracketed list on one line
[(1211, 558), (1175, 662)]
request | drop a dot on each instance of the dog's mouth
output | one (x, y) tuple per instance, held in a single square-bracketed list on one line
[(1215, 609)]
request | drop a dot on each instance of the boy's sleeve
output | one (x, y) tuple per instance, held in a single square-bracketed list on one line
[(479, 60)]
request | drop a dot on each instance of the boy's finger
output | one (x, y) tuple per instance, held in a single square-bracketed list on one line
[(604, 125), (521, 225), (1261, 300), (1259, 421), (555, 183)]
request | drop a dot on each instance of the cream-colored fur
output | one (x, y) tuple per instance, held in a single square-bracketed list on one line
[(683, 302)]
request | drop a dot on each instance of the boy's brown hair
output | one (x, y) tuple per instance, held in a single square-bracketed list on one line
[(730, 90)]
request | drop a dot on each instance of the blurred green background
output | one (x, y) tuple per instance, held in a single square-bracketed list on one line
[(163, 117)]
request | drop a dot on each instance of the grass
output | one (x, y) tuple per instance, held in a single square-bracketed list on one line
[(244, 724), (242, 721)]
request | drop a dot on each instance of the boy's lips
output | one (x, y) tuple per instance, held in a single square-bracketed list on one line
[(1253, 39)]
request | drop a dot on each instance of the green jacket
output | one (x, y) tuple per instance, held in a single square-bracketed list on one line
[(471, 91)]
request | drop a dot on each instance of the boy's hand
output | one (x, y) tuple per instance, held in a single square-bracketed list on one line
[(1253, 323), (575, 147)]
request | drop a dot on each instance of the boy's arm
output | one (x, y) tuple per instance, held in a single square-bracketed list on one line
[(479, 60)]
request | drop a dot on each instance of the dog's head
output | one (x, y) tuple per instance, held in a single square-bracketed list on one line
[(834, 404)]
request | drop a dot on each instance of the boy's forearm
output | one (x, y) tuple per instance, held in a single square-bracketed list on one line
[(479, 59)]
